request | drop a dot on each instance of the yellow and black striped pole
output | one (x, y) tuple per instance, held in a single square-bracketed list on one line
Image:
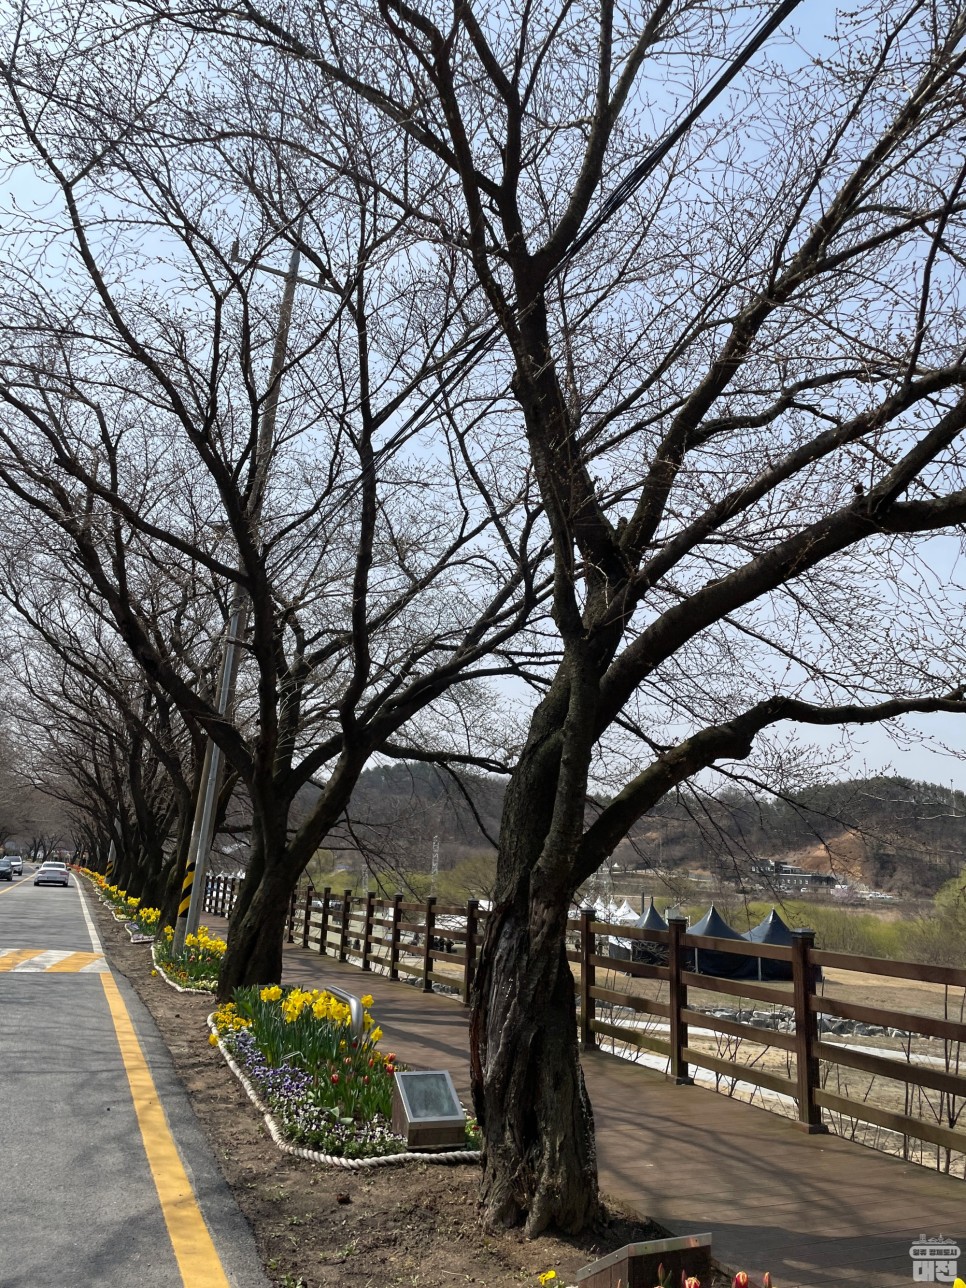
[(111, 857), (186, 884)]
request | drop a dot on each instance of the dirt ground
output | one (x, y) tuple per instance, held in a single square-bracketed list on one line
[(413, 1225)]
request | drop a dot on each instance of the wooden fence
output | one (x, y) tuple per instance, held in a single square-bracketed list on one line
[(436, 947)]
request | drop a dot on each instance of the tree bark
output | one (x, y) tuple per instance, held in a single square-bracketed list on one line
[(539, 1158), (256, 933)]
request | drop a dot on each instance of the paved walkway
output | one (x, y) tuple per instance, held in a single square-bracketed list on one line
[(814, 1210)]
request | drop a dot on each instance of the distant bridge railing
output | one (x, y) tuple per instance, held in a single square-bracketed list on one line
[(915, 1091)]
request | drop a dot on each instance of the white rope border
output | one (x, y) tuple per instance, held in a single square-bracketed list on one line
[(178, 988), (330, 1160)]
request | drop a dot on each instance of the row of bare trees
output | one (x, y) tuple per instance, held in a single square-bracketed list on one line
[(619, 427)]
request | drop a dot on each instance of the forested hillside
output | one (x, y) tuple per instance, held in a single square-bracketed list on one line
[(890, 833)]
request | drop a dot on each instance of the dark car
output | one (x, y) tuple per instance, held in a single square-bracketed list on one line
[(52, 874), (6, 869)]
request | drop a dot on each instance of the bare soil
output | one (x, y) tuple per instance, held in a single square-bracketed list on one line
[(413, 1225)]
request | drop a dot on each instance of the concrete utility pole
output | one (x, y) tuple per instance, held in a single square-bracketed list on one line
[(203, 827), (434, 869)]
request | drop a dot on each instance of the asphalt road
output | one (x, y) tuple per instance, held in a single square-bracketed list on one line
[(106, 1177)]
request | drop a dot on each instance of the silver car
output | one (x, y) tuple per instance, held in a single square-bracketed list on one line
[(16, 864), (52, 874)]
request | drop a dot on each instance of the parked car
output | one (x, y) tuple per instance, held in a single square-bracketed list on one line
[(52, 874), (16, 862), (6, 869)]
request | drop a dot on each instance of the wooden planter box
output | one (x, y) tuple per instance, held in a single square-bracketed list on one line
[(635, 1265)]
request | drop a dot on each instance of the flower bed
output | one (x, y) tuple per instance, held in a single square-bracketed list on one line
[(327, 1089), (198, 965), (126, 907)]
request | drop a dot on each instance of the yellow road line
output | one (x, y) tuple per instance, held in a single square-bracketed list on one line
[(19, 959), (13, 884), (194, 1251), (14, 956), (75, 962)]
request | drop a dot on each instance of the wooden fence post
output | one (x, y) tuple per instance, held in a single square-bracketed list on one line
[(806, 1031), (394, 936), (588, 947), (367, 929), (346, 914), (293, 900), (307, 918), (472, 908), (677, 999), (428, 944)]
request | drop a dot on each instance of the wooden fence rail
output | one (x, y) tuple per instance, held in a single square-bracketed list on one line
[(436, 947)]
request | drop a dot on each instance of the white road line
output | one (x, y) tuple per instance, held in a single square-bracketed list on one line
[(95, 941)]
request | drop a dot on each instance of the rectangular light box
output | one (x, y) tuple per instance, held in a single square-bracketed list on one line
[(426, 1110)]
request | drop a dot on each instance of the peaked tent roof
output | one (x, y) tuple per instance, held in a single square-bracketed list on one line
[(770, 931), (650, 919), (625, 914), (714, 925)]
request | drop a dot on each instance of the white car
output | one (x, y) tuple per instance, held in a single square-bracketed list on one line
[(52, 874), (16, 863)]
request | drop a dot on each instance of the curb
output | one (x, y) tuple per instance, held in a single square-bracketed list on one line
[(331, 1160)]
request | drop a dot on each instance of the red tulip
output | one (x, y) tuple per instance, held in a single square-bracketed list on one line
[(741, 1280)]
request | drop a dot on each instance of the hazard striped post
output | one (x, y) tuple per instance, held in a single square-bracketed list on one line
[(185, 901)]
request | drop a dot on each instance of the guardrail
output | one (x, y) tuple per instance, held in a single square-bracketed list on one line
[(435, 946)]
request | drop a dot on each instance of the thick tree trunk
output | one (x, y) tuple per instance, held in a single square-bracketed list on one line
[(255, 937), (539, 1157), (257, 926)]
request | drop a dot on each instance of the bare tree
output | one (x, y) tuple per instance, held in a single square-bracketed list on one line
[(728, 312), (385, 557)]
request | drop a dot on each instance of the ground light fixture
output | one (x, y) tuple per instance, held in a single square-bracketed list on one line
[(426, 1110)]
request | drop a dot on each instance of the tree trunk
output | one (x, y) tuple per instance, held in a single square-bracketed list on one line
[(255, 936), (539, 1156), (257, 926)]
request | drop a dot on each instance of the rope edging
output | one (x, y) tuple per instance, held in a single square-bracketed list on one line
[(167, 978), (313, 1155)]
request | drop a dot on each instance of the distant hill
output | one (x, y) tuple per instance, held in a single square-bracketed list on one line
[(891, 833)]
